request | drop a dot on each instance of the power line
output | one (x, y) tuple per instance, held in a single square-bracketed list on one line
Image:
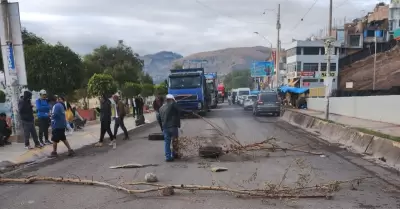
[(341, 4), (309, 9), (229, 16)]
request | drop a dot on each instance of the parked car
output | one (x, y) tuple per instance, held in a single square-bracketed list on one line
[(267, 102), (249, 101)]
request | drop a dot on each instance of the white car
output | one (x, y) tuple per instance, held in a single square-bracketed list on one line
[(249, 101)]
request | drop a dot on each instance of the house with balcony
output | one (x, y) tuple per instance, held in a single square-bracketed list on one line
[(306, 63), (394, 19)]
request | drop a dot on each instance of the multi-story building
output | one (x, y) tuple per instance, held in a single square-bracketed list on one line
[(306, 63), (394, 19)]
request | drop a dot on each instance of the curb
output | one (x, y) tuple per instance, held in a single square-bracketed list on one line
[(357, 141), (6, 166)]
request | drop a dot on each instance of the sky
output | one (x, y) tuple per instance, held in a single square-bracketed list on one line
[(181, 26)]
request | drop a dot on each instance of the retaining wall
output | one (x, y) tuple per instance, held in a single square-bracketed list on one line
[(338, 134), (376, 108)]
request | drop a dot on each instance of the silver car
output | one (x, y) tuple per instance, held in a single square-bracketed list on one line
[(267, 102), (249, 101)]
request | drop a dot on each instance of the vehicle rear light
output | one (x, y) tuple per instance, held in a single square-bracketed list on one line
[(260, 102)]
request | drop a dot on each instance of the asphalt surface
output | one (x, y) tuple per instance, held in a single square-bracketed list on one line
[(251, 171)]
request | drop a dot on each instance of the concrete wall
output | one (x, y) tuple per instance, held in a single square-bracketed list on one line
[(377, 108)]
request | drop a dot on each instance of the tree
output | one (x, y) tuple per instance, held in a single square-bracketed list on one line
[(177, 66), (160, 89), (101, 84), (146, 78), (238, 79), (147, 90), (130, 89), (120, 62), (55, 68)]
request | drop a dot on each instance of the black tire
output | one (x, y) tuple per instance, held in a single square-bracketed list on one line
[(210, 152), (278, 114), (156, 137)]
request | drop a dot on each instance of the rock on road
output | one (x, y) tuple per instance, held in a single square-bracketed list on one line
[(250, 171)]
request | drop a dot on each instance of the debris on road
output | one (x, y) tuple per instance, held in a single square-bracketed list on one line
[(150, 177), (210, 151), (218, 169), (156, 137), (133, 165), (271, 191)]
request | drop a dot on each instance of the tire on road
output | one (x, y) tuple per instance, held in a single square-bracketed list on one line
[(156, 137), (210, 151)]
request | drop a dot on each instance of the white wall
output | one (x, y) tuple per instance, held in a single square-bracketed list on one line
[(377, 108)]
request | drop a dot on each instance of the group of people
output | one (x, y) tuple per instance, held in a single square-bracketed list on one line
[(50, 111), (169, 118), (106, 118)]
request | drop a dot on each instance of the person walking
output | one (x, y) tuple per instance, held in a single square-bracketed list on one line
[(58, 124), (43, 114), (105, 121), (27, 120), (119, 117), (170, 114), (137, 105), (158, 102)]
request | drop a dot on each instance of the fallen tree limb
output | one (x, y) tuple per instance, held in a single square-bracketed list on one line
[(159, 187), (133, 165)]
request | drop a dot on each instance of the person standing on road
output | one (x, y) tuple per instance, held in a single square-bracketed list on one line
[(170, 114), (27, 120), (58, 124), (43, 114), (119, 117), (158, 102), (105, 121)]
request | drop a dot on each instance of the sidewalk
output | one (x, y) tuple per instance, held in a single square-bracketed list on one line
[(367, 126), (17, 154)]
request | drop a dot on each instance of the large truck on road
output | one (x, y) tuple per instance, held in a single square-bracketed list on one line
[(189, 88), (211, 80)]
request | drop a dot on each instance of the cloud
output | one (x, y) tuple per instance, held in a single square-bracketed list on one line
[(182, 26)]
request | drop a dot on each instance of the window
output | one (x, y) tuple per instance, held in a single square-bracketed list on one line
[(370, 33), (298, 67), (241, 93), (181, 82), (333, 67), (269, 97), (322, 50), (311, 50), (355, 40), (321, 80), (310, 67), (298, 49), (291, 67)]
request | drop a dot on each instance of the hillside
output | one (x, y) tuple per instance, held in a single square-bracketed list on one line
[(361, 72), (222, 61), (159, 63), (226, 60)]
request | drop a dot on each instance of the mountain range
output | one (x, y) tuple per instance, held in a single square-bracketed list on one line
[(222, 61)]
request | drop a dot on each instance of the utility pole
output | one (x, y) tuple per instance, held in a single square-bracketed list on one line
[(373, 82), (13, 60), (278, 46), (328, 51)]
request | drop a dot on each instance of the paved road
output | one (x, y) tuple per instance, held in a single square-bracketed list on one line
[(251, 171)]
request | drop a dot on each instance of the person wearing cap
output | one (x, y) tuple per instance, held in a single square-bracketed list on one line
[(43, 110), (119, 117), (170, 114), (58, 124)]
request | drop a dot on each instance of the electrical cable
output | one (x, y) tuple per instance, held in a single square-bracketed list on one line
[(301, 20)]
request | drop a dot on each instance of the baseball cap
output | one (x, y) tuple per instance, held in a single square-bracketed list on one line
[(42, 92), (170, 96)]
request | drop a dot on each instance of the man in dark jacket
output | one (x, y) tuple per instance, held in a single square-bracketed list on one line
[(158, 102), (105, 120), (170, 114), (27, 120)]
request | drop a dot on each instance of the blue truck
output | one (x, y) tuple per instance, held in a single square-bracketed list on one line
[(211, 80), (189, 88)]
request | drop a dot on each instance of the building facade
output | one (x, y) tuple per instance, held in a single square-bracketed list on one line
[(394, 18), (306, 64)]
